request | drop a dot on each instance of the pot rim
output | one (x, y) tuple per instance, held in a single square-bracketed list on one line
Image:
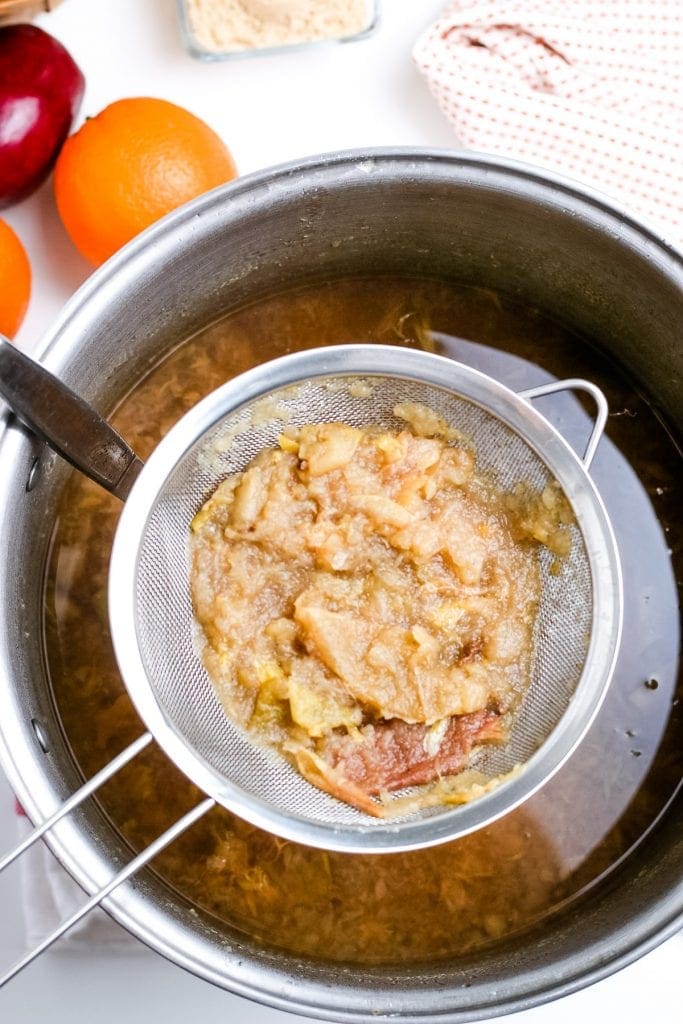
[(274, 985), (364, 159)]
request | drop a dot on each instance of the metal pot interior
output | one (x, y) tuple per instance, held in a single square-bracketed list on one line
[(451, 216)]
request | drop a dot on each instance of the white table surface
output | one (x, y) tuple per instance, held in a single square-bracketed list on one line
[(268, 110)]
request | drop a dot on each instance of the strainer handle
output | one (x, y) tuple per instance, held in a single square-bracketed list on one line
[(77, 798), (577, 384), (130, 869), (68, 424), (127, 872)]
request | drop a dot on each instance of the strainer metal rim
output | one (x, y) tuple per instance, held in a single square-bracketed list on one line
[(518, 414)]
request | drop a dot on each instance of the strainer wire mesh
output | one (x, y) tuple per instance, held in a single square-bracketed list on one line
[(167, 665)]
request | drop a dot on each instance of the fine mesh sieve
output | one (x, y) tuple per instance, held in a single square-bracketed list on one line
[(577, 629)]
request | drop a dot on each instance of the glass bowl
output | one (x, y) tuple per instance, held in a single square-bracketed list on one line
[(199, 45)]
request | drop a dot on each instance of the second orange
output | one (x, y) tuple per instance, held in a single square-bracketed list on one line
[(136, 161)]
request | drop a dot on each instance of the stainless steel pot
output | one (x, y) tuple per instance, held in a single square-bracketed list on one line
[(493, 223)]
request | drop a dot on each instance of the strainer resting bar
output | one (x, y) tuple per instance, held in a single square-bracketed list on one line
[(150, 608)]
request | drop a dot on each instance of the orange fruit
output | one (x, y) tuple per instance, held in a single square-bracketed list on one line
[(137, 160), (15, 281)]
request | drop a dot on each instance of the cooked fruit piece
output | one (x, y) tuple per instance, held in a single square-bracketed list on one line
[(367, 601)]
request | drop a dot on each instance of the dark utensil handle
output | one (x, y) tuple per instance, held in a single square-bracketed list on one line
[(67, 423)]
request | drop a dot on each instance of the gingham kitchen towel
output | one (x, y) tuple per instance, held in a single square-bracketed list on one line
[(590, 88)]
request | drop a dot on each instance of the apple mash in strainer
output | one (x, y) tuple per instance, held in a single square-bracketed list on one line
[(367, 602)]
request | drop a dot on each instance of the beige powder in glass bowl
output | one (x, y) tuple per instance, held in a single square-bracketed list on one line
[(223, 28)]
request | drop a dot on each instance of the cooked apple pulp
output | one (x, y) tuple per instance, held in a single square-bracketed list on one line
[(367, 600)]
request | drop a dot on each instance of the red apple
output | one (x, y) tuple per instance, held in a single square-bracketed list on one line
[(41, 89)]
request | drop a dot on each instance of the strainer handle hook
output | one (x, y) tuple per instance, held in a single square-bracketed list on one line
[(577, 384)]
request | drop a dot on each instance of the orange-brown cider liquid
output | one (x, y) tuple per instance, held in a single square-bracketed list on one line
[(455, 898)]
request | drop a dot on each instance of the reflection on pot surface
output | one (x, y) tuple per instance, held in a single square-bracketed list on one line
[(455, 898)]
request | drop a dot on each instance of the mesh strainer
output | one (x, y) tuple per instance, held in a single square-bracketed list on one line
[(578, 626), (151, 619)]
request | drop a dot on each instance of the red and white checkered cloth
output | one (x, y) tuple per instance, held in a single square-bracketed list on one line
[(590, 88)]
